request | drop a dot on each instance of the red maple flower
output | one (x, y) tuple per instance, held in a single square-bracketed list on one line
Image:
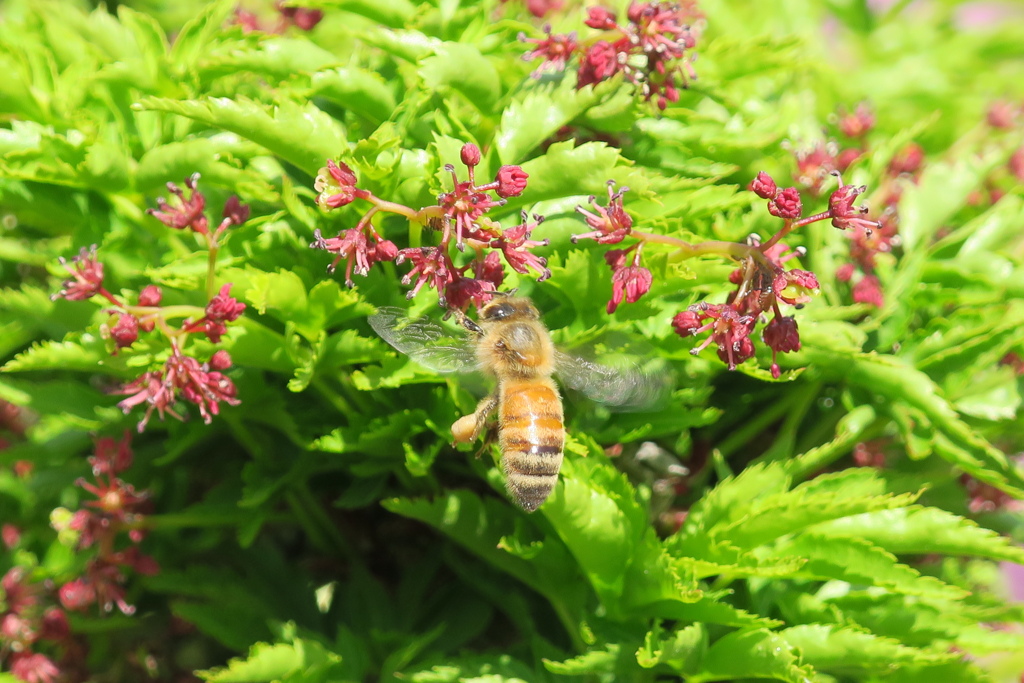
[(729, 328), (463, 291), (303, 18), (235, 213), (908, 160), (782, 336), (511, 181), (869, 291), (223, 307), (600, 62), (786, 204), (842, 211), (464, 205), (86, 276), (629, 282), (610, 224), (431, 266), (815, 164), (126, 331), (601, 18), (478, 290), (515, 245), (555, 50), (150, 296), (111, 456), (350, 245), (200, 385), (33, 667), (186, 212), (336, 184), (763, 185), (857, 123)]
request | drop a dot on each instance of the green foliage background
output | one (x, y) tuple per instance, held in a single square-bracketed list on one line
[(324, 530)]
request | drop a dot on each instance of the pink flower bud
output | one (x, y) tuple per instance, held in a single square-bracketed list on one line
[(76, 595), (236, 212), (1016, 164), (600, 18), (126, 331), (55, 625), (223, 307), (869, 291), (221, 360), (600, 63), (763, 186), (385, 250), (781, 335), (470, 154), (511, 181), (685, 323), (786, 204), (150, 296), (304, 19), (11, 535), (856, 124), (847, 157), (907, 160), (1001, 114)]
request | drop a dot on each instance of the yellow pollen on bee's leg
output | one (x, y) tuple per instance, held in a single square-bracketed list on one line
[(463, 428)]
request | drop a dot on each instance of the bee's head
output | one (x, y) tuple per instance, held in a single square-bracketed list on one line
[(507, 307)]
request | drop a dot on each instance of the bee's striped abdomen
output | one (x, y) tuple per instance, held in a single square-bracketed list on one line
[(532, 436)]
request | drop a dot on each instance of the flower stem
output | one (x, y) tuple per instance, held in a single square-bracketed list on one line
[(211, 263), (684, 250)]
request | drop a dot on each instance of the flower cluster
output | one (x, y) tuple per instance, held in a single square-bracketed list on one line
[(872, 235), (459, 216), (653, 49), (117, 509), (879, 235), (762, 281), (1005, 121), (300, 17), (181, 377), (29, 623), (611, 224)]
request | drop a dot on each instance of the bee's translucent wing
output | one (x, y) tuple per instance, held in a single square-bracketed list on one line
[(629, 387), (424, 341)]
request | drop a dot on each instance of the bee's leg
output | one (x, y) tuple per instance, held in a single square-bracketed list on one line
[(464, 320), (489, 438), (468, 427)]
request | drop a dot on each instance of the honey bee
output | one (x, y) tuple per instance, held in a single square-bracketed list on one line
[(511, 344)]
